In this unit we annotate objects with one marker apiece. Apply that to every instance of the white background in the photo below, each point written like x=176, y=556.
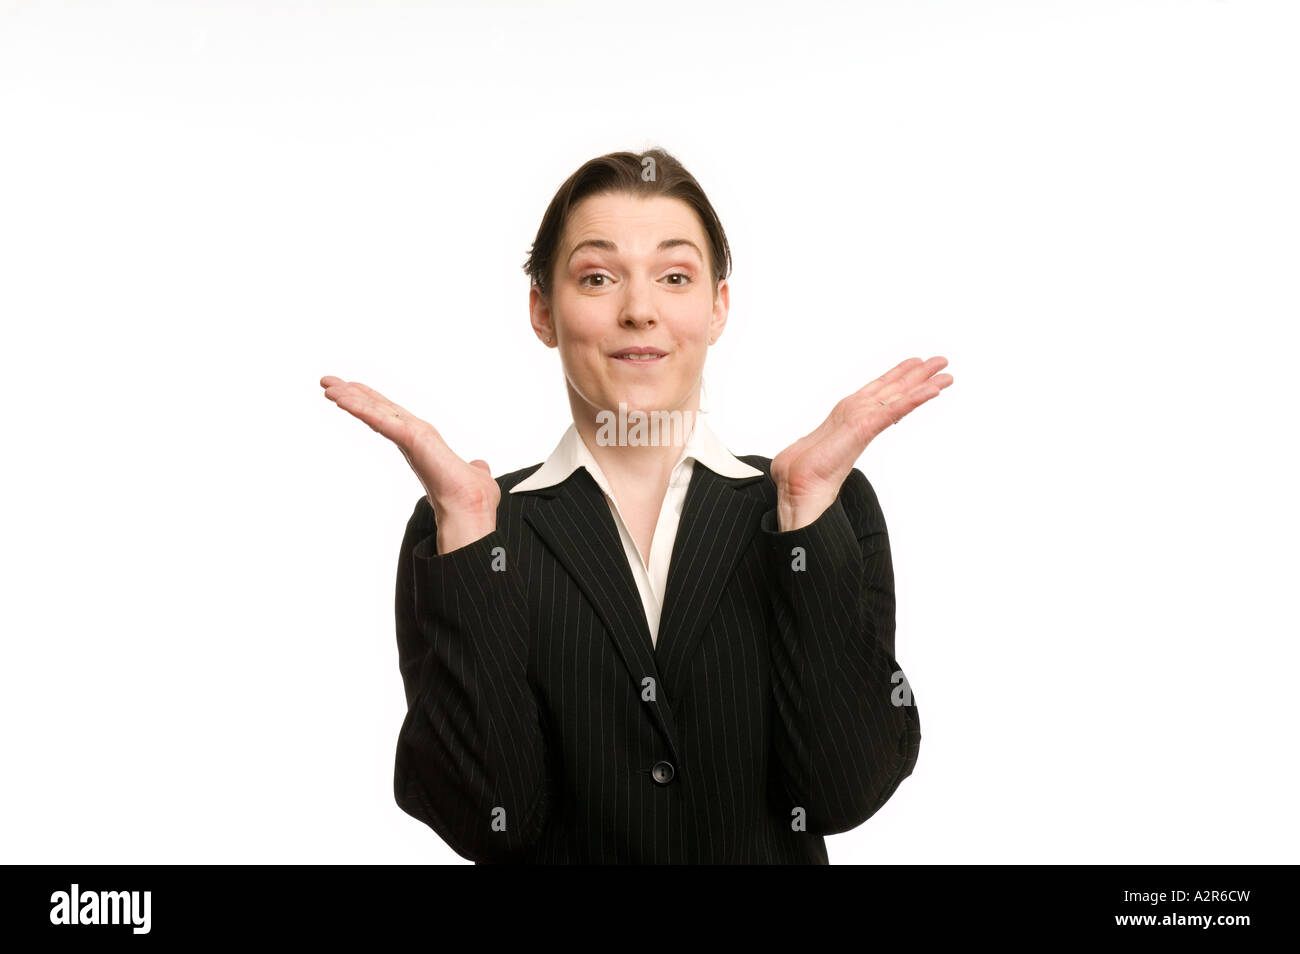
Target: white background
x=1090, y=208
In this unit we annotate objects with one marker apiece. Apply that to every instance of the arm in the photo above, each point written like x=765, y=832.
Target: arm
x=841, y=743
x=470, y=754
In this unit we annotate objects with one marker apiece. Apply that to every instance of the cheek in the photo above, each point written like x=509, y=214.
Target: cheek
x=692, y=335
x=584, y=356
x=585, y=320
x=691, y=320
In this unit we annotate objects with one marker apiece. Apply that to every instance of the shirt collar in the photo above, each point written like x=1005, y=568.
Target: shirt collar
x=572, y=452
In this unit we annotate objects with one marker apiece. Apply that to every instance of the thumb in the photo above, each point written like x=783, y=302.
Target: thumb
x=481, y=465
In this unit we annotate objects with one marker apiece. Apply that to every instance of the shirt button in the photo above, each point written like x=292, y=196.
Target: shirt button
x=662, y=772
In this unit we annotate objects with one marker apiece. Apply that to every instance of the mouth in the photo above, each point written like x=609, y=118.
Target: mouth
x=640, y=355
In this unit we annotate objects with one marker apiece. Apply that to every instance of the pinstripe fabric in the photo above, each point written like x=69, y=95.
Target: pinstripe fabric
x=543, y=726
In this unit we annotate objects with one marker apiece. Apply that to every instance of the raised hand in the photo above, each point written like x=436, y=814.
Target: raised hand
x=464, y=496
x=808, y=474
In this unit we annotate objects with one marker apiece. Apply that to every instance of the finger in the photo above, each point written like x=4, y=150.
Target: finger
x=920, y=373
x=898, y=406
x=361, y=401
x=382, y=418
x=380, y=414
x=889, y=377
x=914, y=377
x=382, y=401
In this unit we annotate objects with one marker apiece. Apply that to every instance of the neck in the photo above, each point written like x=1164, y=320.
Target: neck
x=622, y=444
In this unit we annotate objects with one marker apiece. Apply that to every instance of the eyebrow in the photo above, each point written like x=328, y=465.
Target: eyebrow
x=608, y=246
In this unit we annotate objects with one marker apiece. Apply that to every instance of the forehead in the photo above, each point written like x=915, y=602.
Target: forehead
x=629, y=220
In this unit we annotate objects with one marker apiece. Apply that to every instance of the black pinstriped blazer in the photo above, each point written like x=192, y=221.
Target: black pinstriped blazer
x=543, y=726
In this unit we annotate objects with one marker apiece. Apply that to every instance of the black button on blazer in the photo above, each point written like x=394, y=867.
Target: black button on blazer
x=543, y=726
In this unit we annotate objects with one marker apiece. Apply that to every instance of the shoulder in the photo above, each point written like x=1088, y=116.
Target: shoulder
x=506, y=481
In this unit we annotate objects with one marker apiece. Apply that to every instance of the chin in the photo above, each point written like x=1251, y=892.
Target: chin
x=640, y=402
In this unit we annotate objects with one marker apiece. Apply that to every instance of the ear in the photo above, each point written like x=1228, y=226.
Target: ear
x=721, y=305
x=539, y=316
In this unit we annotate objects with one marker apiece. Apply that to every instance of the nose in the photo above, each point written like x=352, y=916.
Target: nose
x=638, y=308
x=632, y=321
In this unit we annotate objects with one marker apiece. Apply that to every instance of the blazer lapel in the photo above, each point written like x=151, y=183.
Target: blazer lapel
x=719, y=518
x=573, y=519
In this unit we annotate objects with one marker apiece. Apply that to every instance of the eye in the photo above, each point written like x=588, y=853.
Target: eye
x=592, y=275
x=680, y=275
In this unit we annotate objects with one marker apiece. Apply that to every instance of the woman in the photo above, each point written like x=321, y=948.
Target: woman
x=575, y=695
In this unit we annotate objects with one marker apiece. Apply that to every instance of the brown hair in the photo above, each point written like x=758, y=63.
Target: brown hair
x=626, y=172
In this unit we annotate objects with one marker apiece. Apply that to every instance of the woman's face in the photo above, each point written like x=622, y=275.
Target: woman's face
x=631, y=272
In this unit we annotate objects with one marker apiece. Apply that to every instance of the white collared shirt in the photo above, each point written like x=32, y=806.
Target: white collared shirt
x=702, y=445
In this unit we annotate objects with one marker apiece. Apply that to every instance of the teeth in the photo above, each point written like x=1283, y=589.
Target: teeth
x=641, y=357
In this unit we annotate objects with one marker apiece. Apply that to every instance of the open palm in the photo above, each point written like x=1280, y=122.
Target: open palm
x=808, y=474
x=453, y=486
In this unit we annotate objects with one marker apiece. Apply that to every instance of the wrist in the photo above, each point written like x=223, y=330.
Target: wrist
x=792, y=515
x=456, y=530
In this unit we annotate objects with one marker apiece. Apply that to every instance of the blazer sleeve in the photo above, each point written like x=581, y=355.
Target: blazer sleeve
x=470, y=754
x=845, y=729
